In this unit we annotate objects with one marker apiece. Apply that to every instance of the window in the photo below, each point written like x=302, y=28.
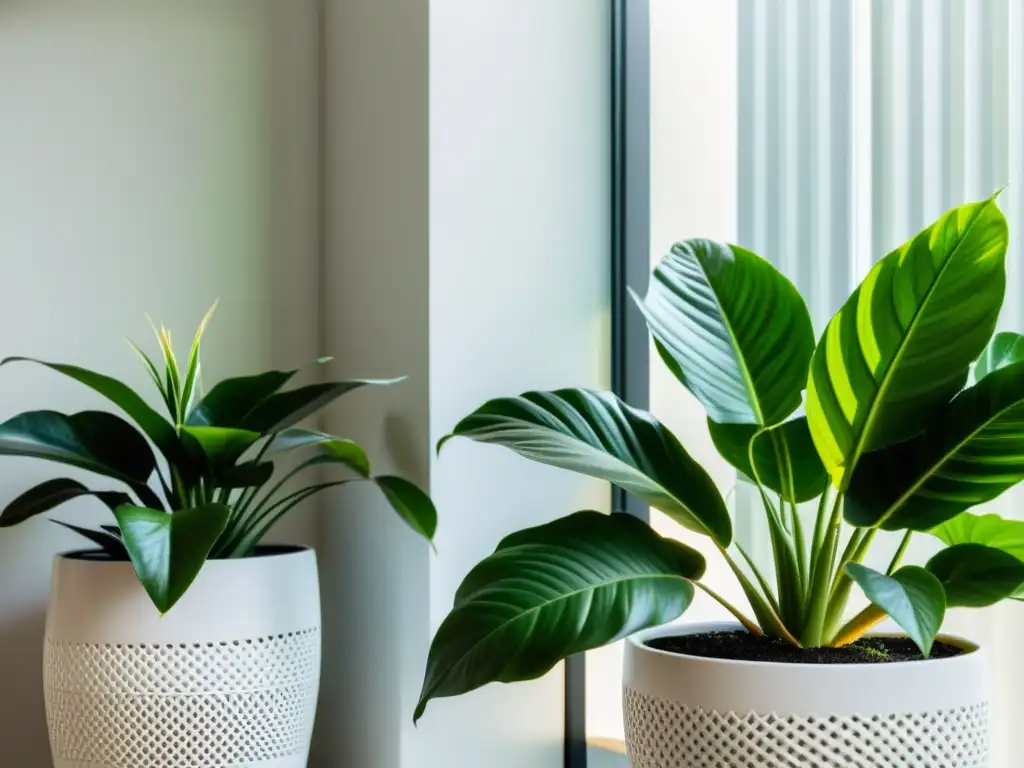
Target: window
x=821, y=136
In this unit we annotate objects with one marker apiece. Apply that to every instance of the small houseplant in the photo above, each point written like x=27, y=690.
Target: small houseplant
x=230, y=675
x=903, y=416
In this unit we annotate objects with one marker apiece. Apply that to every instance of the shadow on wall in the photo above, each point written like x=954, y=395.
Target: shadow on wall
x=22, y=714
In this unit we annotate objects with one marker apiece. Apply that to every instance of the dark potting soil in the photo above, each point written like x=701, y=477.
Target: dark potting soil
x=742, y=646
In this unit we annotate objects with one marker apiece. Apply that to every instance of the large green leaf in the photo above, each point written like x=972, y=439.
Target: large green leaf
x=555, y=590
x=596, y=434
x=285, y=409
x=1006, y=348
x=168, y=550
x=255, y=403
x=902, y=344
x=156, y=427
x=786, y=459
x=732, y=329
x=976, y=576
x=913, y=598
x=341, y=449
x=971, y=452
x=248, y=474
x=231, y=401
x=410, y=503
x=990, y=530
x=53, y=493
x=96, y=441
x=222, y=446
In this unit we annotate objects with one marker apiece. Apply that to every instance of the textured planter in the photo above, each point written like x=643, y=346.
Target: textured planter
x=229, y=677
x=690, y=712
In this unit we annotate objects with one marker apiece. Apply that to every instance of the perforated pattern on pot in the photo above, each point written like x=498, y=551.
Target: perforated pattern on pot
x=665, y=734
x=205, y=705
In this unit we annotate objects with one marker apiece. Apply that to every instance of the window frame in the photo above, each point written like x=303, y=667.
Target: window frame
x=630, y=267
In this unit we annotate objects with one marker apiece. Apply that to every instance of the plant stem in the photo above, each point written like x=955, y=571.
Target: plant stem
x=796, y=528
x=750, y=626
x=243, y=501
x=817, y=597
x=761, y=580
x=787, y=567
x=179, y=488
x=818, y=537
x=900, y=551
x=768, y=618
x=787, y=522
x=250, y=535
x=860, y=541
x=802, y=555
x=855, y=628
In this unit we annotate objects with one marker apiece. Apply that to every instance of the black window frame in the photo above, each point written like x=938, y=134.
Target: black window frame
x=630, y=266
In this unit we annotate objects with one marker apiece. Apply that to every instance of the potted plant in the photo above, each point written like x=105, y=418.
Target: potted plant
x=230, y=675
x=910, y=417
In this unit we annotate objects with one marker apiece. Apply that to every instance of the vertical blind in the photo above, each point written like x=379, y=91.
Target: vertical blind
x=859, y=123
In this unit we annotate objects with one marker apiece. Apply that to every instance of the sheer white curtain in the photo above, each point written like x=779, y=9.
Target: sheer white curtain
x=860, y=122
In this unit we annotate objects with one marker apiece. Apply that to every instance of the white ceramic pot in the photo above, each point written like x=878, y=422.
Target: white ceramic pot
x=690, y=712
x=229, y=677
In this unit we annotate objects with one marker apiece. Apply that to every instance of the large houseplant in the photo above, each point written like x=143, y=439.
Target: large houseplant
x=903, y=416
x=230, y=675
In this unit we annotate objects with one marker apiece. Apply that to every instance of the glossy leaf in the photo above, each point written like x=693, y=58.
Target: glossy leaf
x=971, y=452
x=222, y=445
x=410, y=503
x=255, y=403
x=111, y=545
x=913, y=598
x=94, y=440
x=168, y=550
x=156, y=427
x=596, y=434
x=976, y=576
x=732, y=329
x=232, y=400
x=553, y=591
x=53, y=493
x=990, y=530
x=346, y=451
x=901, y=346
x=787, y=461
x=1006, y=348
x=285, y=409
x=249, y=474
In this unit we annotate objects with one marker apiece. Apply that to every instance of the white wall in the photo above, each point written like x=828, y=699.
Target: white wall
x=519, y=299
x=468, y=197
x=153, y=157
